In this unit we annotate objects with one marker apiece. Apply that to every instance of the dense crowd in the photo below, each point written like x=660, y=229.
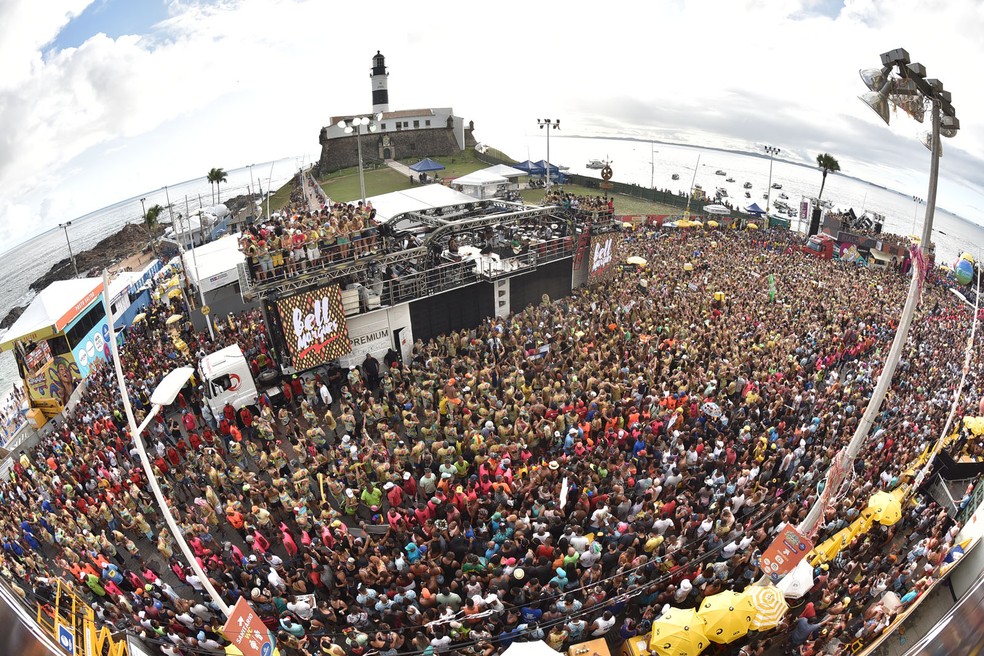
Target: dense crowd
x=550, y=475
x=12, y=415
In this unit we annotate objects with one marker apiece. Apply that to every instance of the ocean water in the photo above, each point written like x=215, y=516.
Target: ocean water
x=25, y=263
x=632, y=162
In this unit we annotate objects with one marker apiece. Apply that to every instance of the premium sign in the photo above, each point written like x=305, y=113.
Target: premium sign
x=314, y=327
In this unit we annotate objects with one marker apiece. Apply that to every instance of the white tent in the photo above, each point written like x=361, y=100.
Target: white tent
x=53, y=309
x=478, y=178
x=217, y=263
x=717, y=209
x=480, y=184
x=424, y=197
x=504, y=171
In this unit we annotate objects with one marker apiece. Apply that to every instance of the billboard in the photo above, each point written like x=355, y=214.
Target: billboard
x=314, y=327
x=603, y=254
x=52, y=385
x=94, y=346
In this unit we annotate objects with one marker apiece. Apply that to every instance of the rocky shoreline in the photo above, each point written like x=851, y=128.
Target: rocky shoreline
x=130, y=239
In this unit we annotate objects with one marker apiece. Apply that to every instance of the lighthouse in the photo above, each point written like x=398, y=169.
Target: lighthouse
x=380, y=96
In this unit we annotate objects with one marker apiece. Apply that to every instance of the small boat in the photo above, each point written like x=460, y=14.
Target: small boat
x=783, y=196
x=595, y=164
x=720, y=172
x=748, y=195
x=698, y=187
x=747, y=185
x=721, y=192
x=765, y=195
x=676, y=176
x=730, y=180
x=776, y=185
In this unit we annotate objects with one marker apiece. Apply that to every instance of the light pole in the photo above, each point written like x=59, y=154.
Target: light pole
x=773, y=151
x=910, y=90
x=252, y=186
x=167, y=390
x=71, y=255
x=549, y=124
x=354, y=124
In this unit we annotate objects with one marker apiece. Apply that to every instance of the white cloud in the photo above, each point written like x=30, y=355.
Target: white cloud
x=235, y=82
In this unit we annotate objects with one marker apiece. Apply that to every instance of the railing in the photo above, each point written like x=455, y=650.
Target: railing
x=976, y=499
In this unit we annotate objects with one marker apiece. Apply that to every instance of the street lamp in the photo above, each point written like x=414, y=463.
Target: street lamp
x=549, y=124
x=64, y=226
x=354, y=124
x=773, y=151
x=165, y=393
x=918, y=201
x=903, y=84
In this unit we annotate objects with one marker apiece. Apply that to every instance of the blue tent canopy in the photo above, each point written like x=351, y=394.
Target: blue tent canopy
x=529, y=167
x=426, y=165
x=544, y=165
x=755, y=209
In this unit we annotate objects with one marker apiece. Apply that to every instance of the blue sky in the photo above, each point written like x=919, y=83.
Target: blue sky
x=105, y=99
x=114, y=18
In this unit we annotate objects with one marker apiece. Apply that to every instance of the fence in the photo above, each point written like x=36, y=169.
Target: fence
x=623, y=188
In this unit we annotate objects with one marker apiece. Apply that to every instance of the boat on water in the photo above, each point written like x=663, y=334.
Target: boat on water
x=676, y=176
x=748, y=194
x=720, y=172
x=783, y=196
x=698, y=187
x=776, y=185
x=730, y=180
x=595, y=164
x=747, y=185
x=765, y=195
x=721, y=192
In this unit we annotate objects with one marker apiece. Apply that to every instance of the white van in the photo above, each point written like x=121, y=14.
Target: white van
x=226, y=378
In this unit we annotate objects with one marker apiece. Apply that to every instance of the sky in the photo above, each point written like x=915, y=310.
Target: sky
x=101, y=100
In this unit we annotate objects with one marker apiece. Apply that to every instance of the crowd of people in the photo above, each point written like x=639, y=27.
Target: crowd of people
x=550, y=475
x=301, y=236
x=12, y=414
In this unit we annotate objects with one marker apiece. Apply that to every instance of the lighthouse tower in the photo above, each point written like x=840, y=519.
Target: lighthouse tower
x=380, y=96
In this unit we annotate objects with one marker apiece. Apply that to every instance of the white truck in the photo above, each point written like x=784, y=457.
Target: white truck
x=226, y=378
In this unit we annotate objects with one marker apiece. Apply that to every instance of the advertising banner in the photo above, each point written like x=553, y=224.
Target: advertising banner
x=314, y=327
x=94, y=346
x=785, y=552
x=39, y=357
x=603, y=251
x=51, y=387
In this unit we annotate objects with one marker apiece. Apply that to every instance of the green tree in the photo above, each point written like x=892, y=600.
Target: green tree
x=216, y=177
x=828, y=164
x=153, y=214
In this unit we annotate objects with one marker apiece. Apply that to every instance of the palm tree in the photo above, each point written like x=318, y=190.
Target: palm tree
x=150, y=219
x=827, y=164
x=216, y=177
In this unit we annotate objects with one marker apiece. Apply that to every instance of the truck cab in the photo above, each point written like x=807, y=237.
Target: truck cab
x=226, y=378
x=821, y=246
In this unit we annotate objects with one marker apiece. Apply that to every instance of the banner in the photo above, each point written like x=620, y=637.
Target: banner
x=786, y=551
x=51, y=387
x=94, y=346
x=39, y=357
x=314, y=327
x=603, y=253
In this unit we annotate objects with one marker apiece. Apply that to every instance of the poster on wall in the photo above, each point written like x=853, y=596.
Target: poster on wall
x=314, y=327
x=94, y=346
x=52, y=386
x=604, y=250
x=38, y=358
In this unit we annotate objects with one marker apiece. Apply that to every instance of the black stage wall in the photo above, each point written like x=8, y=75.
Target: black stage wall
x=552, y=279
x=464, y=307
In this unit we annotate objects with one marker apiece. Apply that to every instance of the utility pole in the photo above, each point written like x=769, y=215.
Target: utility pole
x=71, y=255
